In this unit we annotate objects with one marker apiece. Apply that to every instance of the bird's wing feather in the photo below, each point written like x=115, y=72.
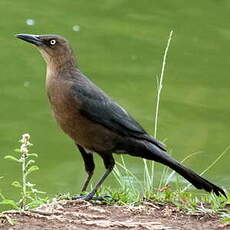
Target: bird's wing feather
x=98, y=107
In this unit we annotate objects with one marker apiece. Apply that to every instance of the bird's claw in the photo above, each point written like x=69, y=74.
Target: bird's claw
x=89, y=197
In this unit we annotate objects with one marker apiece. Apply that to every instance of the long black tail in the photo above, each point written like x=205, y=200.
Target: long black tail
x=152, y=152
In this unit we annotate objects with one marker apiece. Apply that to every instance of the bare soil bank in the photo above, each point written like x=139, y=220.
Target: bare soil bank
x=82, y=215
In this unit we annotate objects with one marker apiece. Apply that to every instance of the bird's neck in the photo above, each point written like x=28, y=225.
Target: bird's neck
x=60, y=62
x=58, y=70
x=59, y=65
x=56, y=63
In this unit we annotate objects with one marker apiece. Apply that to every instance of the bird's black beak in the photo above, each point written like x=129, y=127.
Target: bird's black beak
x=34, y=39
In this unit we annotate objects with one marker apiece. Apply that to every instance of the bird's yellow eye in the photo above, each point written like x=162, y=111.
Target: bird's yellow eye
x=52, y=42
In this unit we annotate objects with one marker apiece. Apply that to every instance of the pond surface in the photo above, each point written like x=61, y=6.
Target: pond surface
x=120, y=46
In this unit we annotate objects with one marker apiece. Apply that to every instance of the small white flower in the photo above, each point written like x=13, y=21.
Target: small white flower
x=23, y=149
x=25, y=137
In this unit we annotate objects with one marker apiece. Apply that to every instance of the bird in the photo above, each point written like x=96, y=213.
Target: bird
x=95, y=122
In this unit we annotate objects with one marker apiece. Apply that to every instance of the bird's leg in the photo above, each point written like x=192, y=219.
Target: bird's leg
x=89, y=166
x=87, y=182
x=109, y=164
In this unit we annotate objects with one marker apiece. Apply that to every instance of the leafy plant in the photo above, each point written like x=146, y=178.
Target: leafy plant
x=29, y=193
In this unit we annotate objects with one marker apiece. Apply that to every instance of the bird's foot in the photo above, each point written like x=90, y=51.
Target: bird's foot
x=84, y=197
x=90, y=197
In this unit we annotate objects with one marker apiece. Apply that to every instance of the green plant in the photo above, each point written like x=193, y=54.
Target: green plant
x=179, y=197
x=29, y=194
x=149, y=171
x=128, y=178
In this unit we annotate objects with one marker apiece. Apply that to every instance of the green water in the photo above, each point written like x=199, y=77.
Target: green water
x=120, y=46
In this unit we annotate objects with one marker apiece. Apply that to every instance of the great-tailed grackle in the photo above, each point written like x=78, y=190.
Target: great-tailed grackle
x=94, y=121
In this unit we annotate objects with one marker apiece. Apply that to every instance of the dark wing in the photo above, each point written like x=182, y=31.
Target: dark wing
x=98, y=107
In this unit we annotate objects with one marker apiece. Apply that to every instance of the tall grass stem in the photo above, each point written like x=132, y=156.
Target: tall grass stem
x=159, y=88
x=160, y=84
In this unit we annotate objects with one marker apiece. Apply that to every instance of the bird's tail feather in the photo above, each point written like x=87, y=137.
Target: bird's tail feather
x=152, y=152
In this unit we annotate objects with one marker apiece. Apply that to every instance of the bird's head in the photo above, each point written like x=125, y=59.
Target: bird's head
x=54, y=48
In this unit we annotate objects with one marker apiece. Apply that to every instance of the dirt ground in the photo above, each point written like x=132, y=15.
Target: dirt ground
x=82, y=215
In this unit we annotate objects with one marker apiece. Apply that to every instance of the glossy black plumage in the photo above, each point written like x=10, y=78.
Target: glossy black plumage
x=100, y=108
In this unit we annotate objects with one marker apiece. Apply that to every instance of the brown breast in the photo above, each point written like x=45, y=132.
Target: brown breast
x=83, y=131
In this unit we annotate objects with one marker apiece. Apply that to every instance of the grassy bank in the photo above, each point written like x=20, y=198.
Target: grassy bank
x=133, y=191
